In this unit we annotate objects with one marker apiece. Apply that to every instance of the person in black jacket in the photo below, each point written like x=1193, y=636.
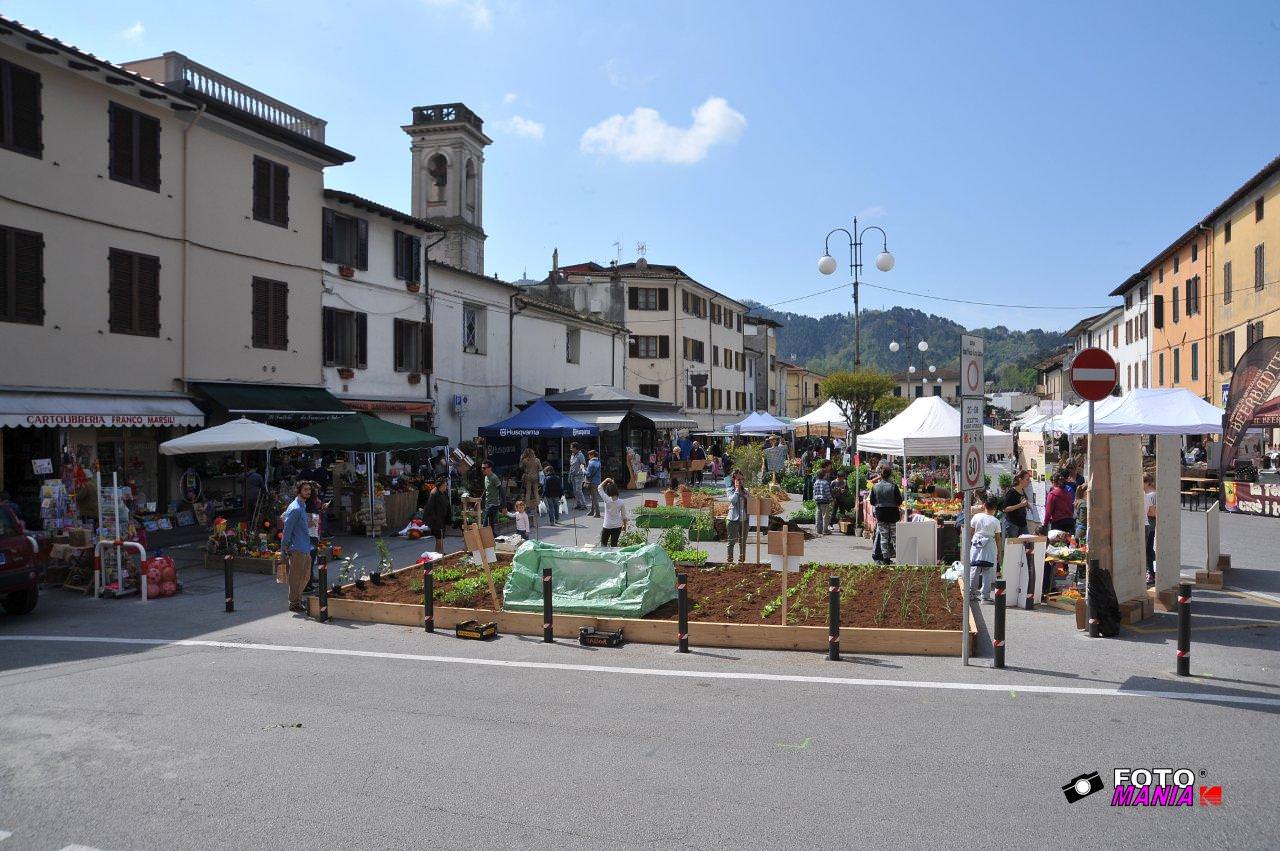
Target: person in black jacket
x=438, y=512
x=552, y=490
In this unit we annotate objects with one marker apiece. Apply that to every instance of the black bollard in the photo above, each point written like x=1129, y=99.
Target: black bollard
x=428, y=596
x=833, y=619
x=1184, y=629
x=682, y=606
x=1031, y=578
x=548, y=635
x=323, y=617
x=997, y=639
x=228, y=584
x=1091, y=617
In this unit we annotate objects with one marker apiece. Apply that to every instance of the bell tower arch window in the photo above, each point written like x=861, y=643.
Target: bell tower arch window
x=470, y=186
x=437, y=179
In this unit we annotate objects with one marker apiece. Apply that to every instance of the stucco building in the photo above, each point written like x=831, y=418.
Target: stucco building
x=764, y=373
x=1181, y=310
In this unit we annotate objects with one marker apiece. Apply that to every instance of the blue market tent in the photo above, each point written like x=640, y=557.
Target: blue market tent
x=540, y=420
x=761, y=422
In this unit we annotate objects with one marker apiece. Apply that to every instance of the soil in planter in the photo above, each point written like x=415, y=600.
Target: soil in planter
x=899, y=597
x=458, y=582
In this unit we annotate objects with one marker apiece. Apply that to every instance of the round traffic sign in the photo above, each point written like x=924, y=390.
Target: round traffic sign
x=1094, y=374
x=972, y=467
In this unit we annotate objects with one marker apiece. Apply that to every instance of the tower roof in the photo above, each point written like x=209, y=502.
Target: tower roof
x=447, y=117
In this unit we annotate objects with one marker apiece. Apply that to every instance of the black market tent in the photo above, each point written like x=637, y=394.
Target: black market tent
x=363, y=433
x=540, y=420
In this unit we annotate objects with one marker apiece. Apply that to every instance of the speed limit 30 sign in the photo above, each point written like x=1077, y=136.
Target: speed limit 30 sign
x=971, y=454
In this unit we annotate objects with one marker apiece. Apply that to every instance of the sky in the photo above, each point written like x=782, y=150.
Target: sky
x=1031, y=154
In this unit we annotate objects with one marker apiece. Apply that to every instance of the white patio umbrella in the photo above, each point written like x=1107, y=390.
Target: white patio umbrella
x=242, y=434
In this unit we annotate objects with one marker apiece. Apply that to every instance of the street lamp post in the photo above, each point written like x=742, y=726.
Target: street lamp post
x=827, y=264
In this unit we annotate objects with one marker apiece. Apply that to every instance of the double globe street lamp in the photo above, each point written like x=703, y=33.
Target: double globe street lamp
x=827, y=265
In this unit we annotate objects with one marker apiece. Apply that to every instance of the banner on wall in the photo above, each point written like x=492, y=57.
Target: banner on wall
x=1251, y=401
x=1251, y=498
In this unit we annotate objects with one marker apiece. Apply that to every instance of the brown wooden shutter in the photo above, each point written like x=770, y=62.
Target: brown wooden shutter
x=279, y=315
x=362, y=244
x=417, y=259
x=397, y=344
x=261, y=313
x=633, y=298
x=21, y=128
x=261, y=189
x=27, y=295
x=120, y=143
x=362, y=341
x=280, y=194
x=326, y=236
x=424, y=346
x=664, y=347
x=148, y=130
x=664, y=301
x=398, y=265
x=120, y=291
x=147, y=295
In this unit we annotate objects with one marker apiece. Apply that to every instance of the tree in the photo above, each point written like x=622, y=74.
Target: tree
x=889, y=407
x=856, y=392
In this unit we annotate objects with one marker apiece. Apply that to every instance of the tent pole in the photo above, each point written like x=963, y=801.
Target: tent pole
x=368, y=456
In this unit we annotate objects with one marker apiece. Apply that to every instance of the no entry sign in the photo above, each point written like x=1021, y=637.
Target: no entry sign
x=1094, y=375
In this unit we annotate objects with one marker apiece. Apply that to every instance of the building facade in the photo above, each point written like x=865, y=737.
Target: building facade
x=804, y=390
x=764, y=378
x=944, y=383
x=1132, y=350
x=1180, y=314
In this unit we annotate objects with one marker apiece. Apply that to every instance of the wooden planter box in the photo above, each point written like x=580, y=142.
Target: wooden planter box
x=654, y=521
x=242, y=564
x=708, y=535
x=916, y=642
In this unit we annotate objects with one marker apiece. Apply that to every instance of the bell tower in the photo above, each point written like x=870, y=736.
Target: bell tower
x=448, y=179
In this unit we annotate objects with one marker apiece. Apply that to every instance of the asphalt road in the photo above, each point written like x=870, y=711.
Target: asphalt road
x=271, y=731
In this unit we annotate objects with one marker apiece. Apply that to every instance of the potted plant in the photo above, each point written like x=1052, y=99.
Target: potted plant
x=384, y=563
x=415, y=378
x=346, y=271
x=346, y=373
x=669, y=496
x=412, y=286
x=689, y=558
x=686, y=496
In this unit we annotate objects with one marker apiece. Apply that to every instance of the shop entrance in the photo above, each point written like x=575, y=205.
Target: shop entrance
x=22, y=446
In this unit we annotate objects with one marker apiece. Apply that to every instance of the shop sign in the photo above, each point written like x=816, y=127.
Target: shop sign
x=1251, y=498
x=1253, y=383
x=107, y=420
x=42, y=466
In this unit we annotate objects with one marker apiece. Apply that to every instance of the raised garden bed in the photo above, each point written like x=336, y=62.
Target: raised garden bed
x=665, y=517
x=883, y=610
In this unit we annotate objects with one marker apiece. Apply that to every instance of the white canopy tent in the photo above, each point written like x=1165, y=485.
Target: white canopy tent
x=1166, y=410
x=760, y=421
x=242, y=434
x=928, y=426
x=826, y=414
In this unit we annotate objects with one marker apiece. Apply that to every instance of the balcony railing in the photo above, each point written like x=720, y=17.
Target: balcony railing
x=220, y=87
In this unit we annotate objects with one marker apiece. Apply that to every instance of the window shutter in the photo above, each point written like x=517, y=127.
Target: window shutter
x=120, y=291
x=424, y=346
x=279, y=315
x=261, y=313
x=428, y=352
x=362, y=341
x=663, y=300
x=326, y=236
x=633, y=298
x=415, y=247
x=23, y=123
x=148, y=130
x=28, y=278
x=664, y=347
x=147, y=293
x=261, y=189
x=633, y=347
x=362, y=244
x=1158, y=309
x=398, y=345
x=120, y=143
x=328, y=341
x=398, y=265
x=280, y=194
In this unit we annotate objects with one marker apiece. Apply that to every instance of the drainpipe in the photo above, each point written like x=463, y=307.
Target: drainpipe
x=426, y=317
x=511, y=351
x=186, y=133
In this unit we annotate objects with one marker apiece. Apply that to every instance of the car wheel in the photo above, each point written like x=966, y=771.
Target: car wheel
x=20, y=602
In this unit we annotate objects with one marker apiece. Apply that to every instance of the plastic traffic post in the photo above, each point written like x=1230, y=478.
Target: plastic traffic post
x=228, y=584
x=548, y=636
x=997, y=639
x=833, y=619
x=1184, y=629
x=323, y=569
x=682, y=606
x=428, y=596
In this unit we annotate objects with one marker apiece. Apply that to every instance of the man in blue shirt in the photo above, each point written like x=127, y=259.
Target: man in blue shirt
x=295, y=544
x=593, y=482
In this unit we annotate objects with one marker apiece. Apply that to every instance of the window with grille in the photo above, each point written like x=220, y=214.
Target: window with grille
x=270, y=314
x=21, y=276
x=473, y=329
x=134, y=293
x=346, y=338
x=270, y=192
x=134, y=148
x=20, y=109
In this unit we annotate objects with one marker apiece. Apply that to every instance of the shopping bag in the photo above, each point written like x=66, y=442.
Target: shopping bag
x=542, y=509
x=564, y=505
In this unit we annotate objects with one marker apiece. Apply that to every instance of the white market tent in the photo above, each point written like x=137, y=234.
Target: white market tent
x=826, y=414
x=1168, y=410
x=928, y=426
x=760, y=422
x=242, y=434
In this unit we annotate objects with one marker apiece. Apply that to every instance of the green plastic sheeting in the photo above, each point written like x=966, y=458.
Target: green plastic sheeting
x=621, y=583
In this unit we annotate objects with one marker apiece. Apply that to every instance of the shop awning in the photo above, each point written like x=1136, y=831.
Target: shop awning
x=92, y=410
x=604, y=420
x=274, y=402
x=363, y=433
x=668, y=420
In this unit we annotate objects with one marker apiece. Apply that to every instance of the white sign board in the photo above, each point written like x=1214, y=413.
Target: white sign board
x=971, y=365
x=42, y=466
x=972, y=457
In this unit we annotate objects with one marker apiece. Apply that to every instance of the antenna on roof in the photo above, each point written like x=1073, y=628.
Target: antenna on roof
x=641, y=262
x=617, y=246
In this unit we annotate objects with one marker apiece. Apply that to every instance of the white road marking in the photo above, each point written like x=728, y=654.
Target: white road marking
x=5, y=834
x=79, y=848
x=662, y=672
x=1261, y=595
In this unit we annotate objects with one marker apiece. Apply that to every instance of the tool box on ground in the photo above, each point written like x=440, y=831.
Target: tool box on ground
x=589, y=636
x=475, y=630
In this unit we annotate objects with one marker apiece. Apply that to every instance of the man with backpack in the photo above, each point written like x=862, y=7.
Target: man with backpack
x=886, y=502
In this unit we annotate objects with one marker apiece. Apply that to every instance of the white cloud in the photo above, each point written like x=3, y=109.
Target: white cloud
x=875, y=211
x=132, y=33
x=518, y=125
x=510, y=97
x=643, y=136
x=476, y=11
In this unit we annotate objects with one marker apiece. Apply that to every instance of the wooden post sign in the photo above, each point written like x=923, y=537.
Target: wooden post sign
x=479, y=539
x=783, y=546
x=758, y=509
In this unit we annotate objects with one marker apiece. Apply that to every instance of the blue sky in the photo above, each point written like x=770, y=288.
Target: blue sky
x=1021, y=153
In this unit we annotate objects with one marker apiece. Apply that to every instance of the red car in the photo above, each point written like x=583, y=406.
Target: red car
x=19, y=572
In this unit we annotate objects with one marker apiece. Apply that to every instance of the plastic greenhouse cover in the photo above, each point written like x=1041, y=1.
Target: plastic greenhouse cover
x=628, y=582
